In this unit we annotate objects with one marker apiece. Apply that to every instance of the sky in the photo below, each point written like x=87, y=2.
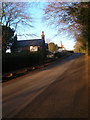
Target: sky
x=40, y=25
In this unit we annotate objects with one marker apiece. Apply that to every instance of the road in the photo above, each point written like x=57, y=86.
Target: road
x=57, y=91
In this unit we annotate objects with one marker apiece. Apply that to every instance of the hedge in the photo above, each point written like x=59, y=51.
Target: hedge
x=16, y=61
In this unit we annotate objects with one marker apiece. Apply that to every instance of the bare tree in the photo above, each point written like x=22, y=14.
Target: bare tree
x=14, y=13
x=57, y=14
x=71, y=16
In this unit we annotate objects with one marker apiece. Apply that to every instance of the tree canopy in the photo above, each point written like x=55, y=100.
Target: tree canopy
x=71, y=16
x=8, y=38
x=79, y=47
x=52, y=47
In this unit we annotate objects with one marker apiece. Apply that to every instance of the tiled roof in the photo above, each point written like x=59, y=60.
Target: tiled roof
x=33, y=42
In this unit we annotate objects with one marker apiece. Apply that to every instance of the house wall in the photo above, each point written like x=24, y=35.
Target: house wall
x=35, y=49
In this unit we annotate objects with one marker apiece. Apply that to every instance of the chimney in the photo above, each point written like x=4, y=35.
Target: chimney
x=42, y=36
x=61, y=43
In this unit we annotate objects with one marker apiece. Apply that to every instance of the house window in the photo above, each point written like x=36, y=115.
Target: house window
x=33, y=48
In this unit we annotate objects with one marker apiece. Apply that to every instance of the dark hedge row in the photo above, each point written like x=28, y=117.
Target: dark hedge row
x=61, y=54
x=16, y=61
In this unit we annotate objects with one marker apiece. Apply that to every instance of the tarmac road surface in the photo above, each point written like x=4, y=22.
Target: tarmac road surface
x=57, y=91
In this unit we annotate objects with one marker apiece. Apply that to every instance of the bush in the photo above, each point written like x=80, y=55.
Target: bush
x=58, y=54
x=61, y=54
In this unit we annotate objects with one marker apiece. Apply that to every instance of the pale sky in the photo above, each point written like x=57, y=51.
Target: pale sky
x=40, y=26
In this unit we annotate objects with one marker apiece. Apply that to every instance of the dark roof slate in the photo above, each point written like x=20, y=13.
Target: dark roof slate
x=33, y=42
x=59, y=47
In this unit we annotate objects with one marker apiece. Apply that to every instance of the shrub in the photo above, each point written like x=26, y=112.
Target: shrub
x=61, y=54
x=58, y=54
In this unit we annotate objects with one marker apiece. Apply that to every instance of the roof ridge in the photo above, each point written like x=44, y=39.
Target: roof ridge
x=28, y=40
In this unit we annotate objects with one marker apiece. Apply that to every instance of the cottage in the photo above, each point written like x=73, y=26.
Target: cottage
x=60, y=49
x=32, y=45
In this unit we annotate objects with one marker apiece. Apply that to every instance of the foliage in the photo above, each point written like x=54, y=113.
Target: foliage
x=62, y=54
x=58, y=54
x=8, y=37
x=80, y=12
x=52, y=47
x=56, y=47
x=81, y=43
x=79, y=47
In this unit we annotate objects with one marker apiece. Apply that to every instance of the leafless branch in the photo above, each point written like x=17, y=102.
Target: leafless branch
x=14, y=13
